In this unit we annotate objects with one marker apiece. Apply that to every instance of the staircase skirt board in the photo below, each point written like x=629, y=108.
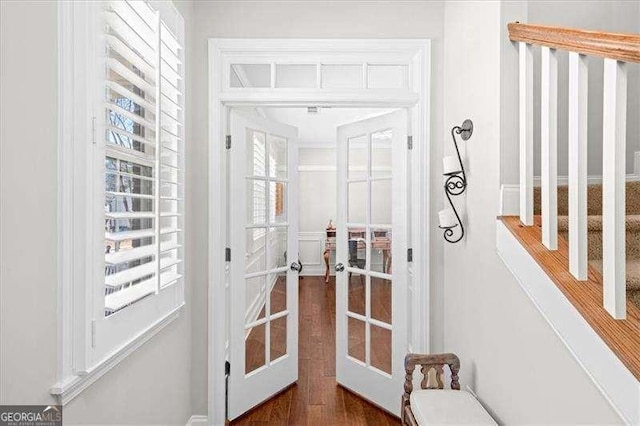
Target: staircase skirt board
x=594, y=231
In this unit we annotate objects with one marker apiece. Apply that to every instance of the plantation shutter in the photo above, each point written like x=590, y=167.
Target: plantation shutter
x=144, y=171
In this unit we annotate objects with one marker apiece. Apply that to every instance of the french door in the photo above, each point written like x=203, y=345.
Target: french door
x=263, y=285
x=371, y=270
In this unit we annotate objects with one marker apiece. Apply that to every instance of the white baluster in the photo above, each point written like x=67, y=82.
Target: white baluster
x=614, y=124
x=526, y=133
x=578, y=78
x=549, y=143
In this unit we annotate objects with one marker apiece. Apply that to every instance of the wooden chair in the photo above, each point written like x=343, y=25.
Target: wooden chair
x=427, y=362
x=460, y=406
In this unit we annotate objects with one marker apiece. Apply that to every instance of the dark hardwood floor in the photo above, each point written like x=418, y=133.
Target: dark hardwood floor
x=316, y=399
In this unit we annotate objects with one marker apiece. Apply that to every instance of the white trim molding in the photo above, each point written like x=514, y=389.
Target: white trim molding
x=415, y=96
x=68, y=389
x=198, y=420
x=603, y=367
x=85, y=351
x=510, y=193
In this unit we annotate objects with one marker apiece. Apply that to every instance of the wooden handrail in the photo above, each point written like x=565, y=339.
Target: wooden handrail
x=622, y=47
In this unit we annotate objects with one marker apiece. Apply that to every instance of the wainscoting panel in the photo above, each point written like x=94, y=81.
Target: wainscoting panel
x=311, y=246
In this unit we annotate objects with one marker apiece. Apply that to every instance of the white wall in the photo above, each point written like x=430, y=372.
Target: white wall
x=510, y=356
x=616, y=16
x=152, y=386
x=304, y=19
x=317, y=204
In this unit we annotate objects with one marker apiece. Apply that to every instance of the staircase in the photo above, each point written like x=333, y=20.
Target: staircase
x=594, y=227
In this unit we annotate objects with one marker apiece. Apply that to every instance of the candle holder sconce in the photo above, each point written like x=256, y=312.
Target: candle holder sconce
x=455, y=184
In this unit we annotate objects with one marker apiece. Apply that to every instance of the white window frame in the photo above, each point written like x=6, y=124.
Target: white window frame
x=85, y=351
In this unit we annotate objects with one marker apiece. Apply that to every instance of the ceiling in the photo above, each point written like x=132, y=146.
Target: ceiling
x=321, y=128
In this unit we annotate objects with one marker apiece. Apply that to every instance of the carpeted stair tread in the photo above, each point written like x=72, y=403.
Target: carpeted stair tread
x=594, y=223
x=594, y=228
x=594, y=199
x=633, y=272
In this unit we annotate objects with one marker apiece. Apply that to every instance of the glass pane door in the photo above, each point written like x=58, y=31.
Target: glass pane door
x=263, y=282
x=371, y=240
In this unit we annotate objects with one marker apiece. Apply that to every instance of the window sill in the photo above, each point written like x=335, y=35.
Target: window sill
x=67, y=389
x=608, y=350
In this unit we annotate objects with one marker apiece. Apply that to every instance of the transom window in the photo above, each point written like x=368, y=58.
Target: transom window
x=298, y=75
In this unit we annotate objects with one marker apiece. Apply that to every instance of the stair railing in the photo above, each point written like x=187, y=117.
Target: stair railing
x=617, y=50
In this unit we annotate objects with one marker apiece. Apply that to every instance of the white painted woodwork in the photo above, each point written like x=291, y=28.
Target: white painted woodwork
x=578, y=89
x=600, y=363
x=248, y=390
x=614, y=128
x=526, y=132
x=90, y=343
x=360, y=376
x=549, y=146
x=416, y=53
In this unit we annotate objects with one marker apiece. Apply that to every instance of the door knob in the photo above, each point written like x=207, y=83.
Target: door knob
x=339, y=267
x=295, y=266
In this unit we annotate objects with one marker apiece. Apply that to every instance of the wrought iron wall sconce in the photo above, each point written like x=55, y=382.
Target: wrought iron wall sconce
x=455, y=184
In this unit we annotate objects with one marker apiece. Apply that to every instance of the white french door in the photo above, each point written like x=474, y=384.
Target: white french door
x=263, y=285
x=371, y=270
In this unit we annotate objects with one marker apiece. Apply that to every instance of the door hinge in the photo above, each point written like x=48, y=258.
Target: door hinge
x=227, y=254
x=93, y=333
x=93, y=130
x=227, y=368
x=228, y=141
x=410, y=255
x=409, y=142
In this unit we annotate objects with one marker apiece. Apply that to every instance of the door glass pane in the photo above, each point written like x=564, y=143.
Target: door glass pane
x=357, y=157
x=357, y=250
x=255, y=356
x=381, y=250
x=381, y=299
x=356, y=338
x=256, y=250
x=277, y=157
x=278, y=338
x=341, y=76
x=357, y=202
x=278, y=297
x=277, y=202
x=381, y=153
x=256, y=154
x=255, y=308
x=380, y=348
x=357, y=294
x=294, y=75
x=250, y=75
x=256, y=202
x=381, y=202
x=278, y=247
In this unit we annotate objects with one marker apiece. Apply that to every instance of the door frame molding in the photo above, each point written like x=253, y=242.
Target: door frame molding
x=416, y=97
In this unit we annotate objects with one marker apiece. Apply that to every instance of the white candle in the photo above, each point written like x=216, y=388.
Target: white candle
x=450, y=165
x=447, y=218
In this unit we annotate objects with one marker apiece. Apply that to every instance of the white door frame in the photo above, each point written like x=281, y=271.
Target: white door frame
x=415, y=55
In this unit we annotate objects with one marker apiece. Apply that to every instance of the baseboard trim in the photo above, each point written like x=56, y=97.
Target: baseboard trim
x=510, y=193
x=198, y=420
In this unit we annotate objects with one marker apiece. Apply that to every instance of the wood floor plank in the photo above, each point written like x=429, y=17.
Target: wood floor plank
x=316, y=398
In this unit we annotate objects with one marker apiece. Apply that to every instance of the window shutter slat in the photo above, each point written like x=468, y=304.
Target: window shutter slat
x=144, y=163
